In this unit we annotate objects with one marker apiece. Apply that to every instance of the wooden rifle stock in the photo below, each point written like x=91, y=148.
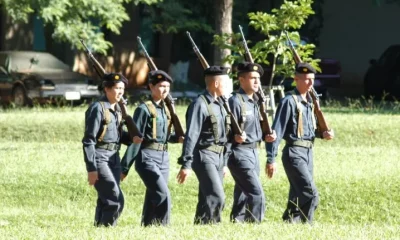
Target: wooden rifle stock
x=132, y=128
x=196, y=50
x=322, y=125
x=265, y=126
x=235, y=125
x=169, y=101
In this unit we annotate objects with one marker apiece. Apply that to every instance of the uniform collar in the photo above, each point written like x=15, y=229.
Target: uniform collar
x=300, y=98
x=245, y=96
x=107, y=103
x=210, y=98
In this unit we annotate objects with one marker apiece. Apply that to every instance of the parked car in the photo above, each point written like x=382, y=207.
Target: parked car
x=383, y=75
x=28, y=75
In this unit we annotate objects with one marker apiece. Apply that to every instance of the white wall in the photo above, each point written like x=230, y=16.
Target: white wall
x=356, y=31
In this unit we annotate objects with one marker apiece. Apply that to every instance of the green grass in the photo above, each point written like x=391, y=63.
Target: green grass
x=44, y=193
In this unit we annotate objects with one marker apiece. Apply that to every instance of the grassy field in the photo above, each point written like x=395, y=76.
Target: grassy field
x=44, y=193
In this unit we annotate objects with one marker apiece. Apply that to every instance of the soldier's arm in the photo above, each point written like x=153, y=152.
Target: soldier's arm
x=93, y=119
x=140, y=117
x=194, y=120
x=282, y=116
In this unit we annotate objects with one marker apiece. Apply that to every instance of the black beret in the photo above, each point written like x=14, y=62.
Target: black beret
x=115, y=78
x=216, y=70
x=250, y=67
x=305, y=68
x=157, y=76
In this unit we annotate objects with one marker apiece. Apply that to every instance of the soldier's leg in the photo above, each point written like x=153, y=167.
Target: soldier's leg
x=163, y=212
x=211, y=193
x=315, y=200
x=109, y=195
x=157, y=193
x=297, y=171
x=246, y=175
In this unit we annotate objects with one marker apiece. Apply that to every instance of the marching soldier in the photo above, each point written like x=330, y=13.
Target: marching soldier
x=151, y=158
x=243, y=161
x=295, y=122
x=101, y=143
x=204, y=146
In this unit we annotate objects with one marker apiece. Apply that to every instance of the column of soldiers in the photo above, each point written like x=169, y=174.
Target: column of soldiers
x=209, y=148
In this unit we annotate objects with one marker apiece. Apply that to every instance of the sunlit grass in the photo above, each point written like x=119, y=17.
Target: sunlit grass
x=44, y=193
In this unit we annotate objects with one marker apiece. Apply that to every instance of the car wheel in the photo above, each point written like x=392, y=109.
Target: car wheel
x=19, y=97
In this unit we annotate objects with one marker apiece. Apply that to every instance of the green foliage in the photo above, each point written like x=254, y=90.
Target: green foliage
x=75, y=19
x=290, y=16
x=173, y=16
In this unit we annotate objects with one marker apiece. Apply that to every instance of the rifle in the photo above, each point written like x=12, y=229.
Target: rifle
x=265, y=126
x=235, y=125
x=322, y=125
x=169, y=101
x=132, y=128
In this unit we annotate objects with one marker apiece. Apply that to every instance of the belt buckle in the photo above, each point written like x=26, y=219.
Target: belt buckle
x=160, y=147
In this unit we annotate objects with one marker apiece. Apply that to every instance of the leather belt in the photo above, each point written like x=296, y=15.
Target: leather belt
x=252, y=145
x=301, y=143
x=156, y=146
x=215, y=148
x=108, y=146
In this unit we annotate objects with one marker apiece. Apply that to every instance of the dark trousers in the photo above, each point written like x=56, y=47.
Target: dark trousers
x=303, y=194
x=248, y=196
x=110, y=199
x=208, y=167
x=153, y=168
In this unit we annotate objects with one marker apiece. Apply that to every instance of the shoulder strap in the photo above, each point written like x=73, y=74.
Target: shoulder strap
x=169, y=120
x=243, y=110
x=300, y=115
x=106, y=121
x=153, y=113
x=213, y=119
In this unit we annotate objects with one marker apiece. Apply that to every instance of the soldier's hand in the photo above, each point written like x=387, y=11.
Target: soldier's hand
x=123, y=176
x=328, y=135
x=226, y=171
x=137, y=140
x=270, y=169
x=240, y=138
x=270, y=137
x=181, y=139
x=92, y=177
x=182, y=175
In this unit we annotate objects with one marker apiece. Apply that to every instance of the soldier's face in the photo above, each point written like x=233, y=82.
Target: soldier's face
x=250, y=81
x=160, y=90
x=220, y=82
x=304, y=82
x=115, y=93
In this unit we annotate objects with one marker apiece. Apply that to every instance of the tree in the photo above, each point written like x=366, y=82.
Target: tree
x=75, y=19
x=223, y=25
x=275, y=48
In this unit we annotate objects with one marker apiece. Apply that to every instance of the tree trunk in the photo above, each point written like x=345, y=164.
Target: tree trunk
x=223, y=24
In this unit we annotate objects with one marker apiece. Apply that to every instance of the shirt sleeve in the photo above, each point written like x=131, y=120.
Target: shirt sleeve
x=140, y=118
x=282, y=116
x=194, y=121
x=93, y=118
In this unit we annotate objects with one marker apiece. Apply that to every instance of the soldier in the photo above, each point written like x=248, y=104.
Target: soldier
x=152, y=161
x=203, y=148
x=295, y=123
x=101, y=143
x=243, y=161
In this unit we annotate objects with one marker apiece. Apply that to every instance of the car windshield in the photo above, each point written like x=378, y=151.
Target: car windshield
x=21, y=61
